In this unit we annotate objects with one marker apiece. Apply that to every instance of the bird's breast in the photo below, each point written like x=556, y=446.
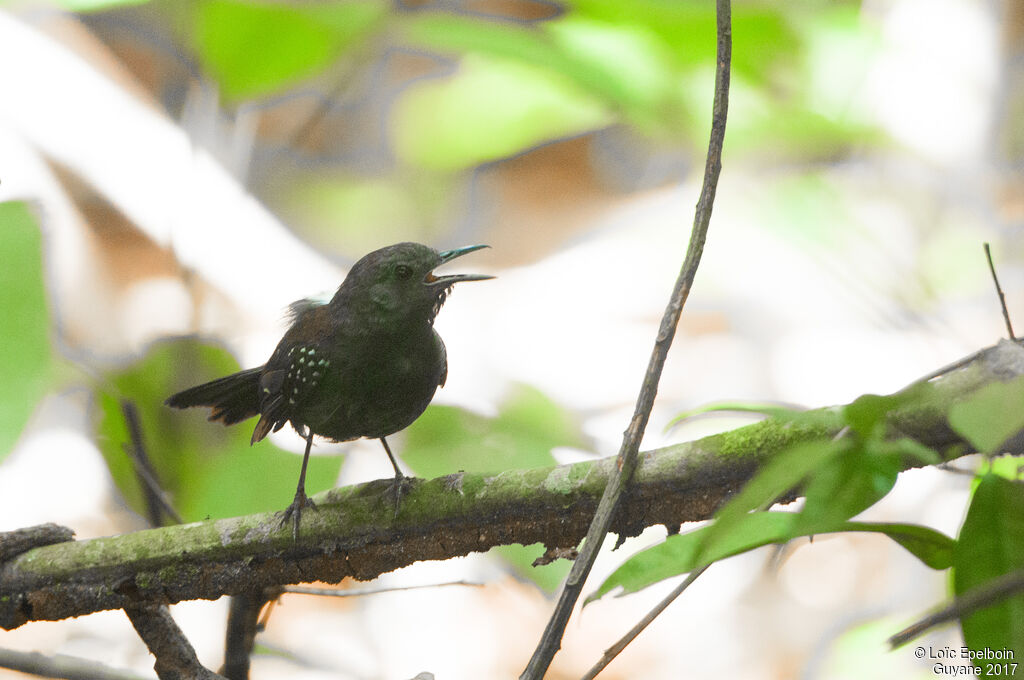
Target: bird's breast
x=377, y=387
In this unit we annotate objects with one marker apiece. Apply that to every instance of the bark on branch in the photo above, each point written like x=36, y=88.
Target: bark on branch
x=354, y=533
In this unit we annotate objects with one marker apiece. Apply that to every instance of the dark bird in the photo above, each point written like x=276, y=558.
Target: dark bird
x=366, y=364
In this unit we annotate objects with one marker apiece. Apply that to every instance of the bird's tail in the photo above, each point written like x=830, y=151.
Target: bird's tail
x=233, y=398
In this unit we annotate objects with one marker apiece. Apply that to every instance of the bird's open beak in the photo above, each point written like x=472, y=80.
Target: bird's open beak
x=449, y=279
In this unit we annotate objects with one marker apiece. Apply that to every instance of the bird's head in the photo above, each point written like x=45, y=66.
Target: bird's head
x=397, y=284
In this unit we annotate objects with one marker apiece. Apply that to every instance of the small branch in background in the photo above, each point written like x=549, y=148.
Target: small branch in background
x=243, y=624
x=999, y=291
x=976, y=598
x=175, y=657
x=62, y=666
x=360, y=592
x=13, y=543
x=616, y=649
x=626, y=463
x=950, y=367
x=156, y=498
x=343, y=81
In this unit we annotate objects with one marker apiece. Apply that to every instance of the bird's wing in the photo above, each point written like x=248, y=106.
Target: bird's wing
x=273, y=413
x=443, y=354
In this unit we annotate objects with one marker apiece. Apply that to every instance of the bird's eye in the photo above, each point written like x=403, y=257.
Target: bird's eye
x=403, y=271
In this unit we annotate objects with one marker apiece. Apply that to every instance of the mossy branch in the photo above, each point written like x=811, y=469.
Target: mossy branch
x=354, y=533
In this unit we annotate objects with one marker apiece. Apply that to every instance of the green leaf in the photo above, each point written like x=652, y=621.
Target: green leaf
x=868, y=465
x=991, y=544
x=209, y=469
x=991, y=415
x=26, y=362
x=933, y=548
x=782, y=473
x=253, y=49
x=489, y=109
x=847, y=484
x=867, y=413
x=684, y=552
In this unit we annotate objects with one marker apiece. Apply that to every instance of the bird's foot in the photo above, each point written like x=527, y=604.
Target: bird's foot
x=399, y=486
x=294, y=512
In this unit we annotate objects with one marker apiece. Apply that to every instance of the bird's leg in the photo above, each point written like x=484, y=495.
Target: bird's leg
x=400, y=481
x=301, y=499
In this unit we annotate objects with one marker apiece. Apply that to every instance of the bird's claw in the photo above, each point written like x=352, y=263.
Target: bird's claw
x=294, y=512
x=399, y=486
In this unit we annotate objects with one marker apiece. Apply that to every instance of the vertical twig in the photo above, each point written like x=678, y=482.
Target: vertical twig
x=626, y=462
x=623, y=642
x=156, y=497
x=999, y=291
x=243, y=624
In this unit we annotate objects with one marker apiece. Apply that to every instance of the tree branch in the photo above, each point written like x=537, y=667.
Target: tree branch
x=14, y=543
x=62, y=666
x=355, y=534
x=623, y=642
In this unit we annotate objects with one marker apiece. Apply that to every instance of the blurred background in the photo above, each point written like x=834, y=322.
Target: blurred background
x=174, y=174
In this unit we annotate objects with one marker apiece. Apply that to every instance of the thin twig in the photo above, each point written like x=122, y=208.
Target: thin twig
x=175, y=657
x=342, y=82
x=974, y=599
x=156, y=498
x=999, y=291
x=360, y=592
x=623, y=642
x=950, y=367
x=62, y=666
x=243, y=624
x=626, y=462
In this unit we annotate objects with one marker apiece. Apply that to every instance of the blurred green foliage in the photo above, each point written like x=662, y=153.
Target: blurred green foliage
x=253, y=49
x=453, y=124
x=209, y=470
x=528, y=425
x=26, y=362
x=454, y=89
x=489, y=87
